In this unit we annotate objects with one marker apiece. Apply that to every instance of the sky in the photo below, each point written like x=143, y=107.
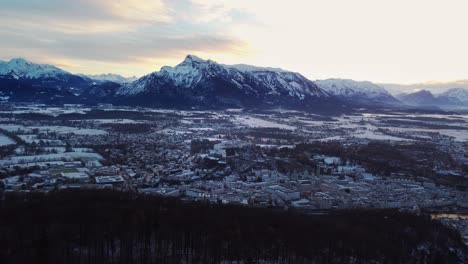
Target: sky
x=385, y=41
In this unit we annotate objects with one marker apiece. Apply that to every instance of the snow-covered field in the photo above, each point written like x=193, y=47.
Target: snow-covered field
x=332, y=138
x=457, y=134
x=54, y=111
x=35, y=139
x=111, y=121
x=4, y=140
x=14, y=128
x=50, y=157
x=376, y=136
x=62, y=149
x=201, y=129
x=257, y=122
x=174, y=132
x=72, y=130
x=57, y=129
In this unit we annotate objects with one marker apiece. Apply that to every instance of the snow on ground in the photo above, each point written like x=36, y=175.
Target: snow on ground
x=111, y=121
x=58, y=129
x=459, y=135
x=257, y=122
x=28, y=138
x=331, y=138
x=70, y=130
x=274, y=146
x=54, y=111
x=14, y=128
x=62, y=149
x=312, y=122
x=50, y=157
x=376, y=136
x=174, y=132
x=201, y=129
x=33, y=138
x=331, y=160
x=213, y=139
x=186, y=122
x=4, y=140
x=87, y=131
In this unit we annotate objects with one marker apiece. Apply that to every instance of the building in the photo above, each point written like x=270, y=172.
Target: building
x=284, y=193
x=109, y=179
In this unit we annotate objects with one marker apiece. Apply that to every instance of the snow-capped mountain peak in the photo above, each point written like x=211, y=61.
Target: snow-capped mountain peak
x=419, y=98
x=452, y=99
x=21, y=68
x=192, y=58
x=455, y=95
x=356, y=90
x=229, y=83
x=460, y=93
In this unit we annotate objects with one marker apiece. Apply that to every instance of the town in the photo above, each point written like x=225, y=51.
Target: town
x=277, y=158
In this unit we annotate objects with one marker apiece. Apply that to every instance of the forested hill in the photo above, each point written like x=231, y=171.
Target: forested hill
x=114, y=227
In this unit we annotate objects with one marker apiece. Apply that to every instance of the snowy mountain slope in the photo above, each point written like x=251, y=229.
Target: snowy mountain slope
x=452, y=99
x=420, y=98
x=22, y=80
x=205, y=83
x=27, y=90
x=21, y=68
x=110, y=77
x=199, y=83
x=458, y=96
x=363, y=92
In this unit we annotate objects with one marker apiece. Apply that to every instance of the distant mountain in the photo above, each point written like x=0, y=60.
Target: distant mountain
x=455, y=96
x=435, y=87
x=355, y=92
x=21, y=90
x=207, y=84
x=21, y=80
x=21, y=68
x=420, y=98
x=100, y=92
x=111, y=78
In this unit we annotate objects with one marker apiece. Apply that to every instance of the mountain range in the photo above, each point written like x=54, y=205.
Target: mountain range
x=195, y=83
x=452, y=99
x=435, y=87
x=357, y=92
x=110, y=77
x=207, y=84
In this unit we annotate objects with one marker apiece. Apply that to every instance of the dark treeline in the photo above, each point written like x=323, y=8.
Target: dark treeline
x=28, y=116
x=16, y=138
x=452, y=119
x=411, y=123
x=114, y=227
x=92, y=114
x=103, y=114
x=8, y=150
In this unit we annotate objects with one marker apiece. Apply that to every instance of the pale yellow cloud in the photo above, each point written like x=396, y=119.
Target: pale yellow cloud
x=85, y=16
x=378, y=40
x=404, y=41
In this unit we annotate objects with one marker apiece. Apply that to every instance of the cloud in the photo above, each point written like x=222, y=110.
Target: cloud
x=84, y=15
x=385, y=41
x=110, y=32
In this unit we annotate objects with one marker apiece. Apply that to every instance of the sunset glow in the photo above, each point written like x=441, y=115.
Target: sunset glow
x=381, y=41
